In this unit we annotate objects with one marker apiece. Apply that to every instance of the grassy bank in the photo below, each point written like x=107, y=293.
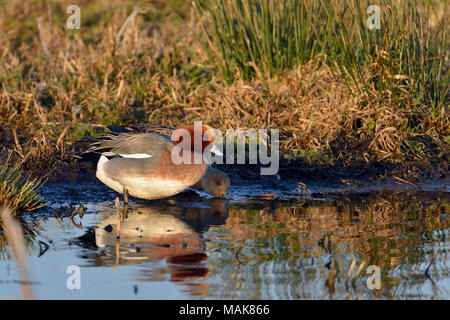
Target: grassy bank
x=340, y=94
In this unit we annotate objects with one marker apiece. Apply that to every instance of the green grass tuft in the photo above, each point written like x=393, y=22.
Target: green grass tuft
x=20, y=194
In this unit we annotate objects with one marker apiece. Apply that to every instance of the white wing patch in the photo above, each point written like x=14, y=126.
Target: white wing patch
x=136, y=155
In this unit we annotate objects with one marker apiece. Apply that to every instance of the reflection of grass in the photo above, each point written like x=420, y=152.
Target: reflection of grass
x=405, y=56
x=13, y=232
x=18, y=193
x=393, y=231
x=359, y=95
x=20, y=235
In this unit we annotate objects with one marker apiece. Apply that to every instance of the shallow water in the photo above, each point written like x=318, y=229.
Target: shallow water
x=239, y=248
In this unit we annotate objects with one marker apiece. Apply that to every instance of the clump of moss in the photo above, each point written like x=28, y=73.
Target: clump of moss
x=17, y=192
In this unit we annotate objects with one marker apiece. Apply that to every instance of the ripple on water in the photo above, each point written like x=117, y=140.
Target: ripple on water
x=238, y=247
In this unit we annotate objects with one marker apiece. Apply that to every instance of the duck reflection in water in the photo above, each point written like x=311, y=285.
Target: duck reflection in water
x=153, y=232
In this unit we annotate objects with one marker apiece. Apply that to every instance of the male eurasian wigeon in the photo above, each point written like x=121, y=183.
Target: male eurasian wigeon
x=141, y=164
x=214, y=182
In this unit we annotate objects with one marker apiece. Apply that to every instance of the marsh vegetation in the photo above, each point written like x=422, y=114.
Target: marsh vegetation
x=340, y=94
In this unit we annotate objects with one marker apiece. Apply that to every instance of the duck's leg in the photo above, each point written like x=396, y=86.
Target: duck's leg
x=125, y=196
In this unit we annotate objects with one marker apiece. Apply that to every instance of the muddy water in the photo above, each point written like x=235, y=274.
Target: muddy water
x=239, y=248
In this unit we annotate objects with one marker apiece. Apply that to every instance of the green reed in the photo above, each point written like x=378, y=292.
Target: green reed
x=406, y=58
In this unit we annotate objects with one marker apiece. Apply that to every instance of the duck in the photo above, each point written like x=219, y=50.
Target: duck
x=138, y=162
